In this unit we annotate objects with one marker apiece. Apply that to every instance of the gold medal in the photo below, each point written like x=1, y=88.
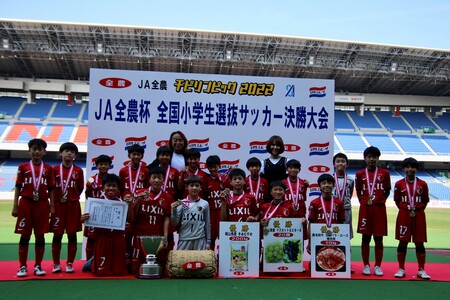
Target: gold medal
x=370, y=201
x=64, y=198
x=412, y=214
x=296, y=207
x=35, y=196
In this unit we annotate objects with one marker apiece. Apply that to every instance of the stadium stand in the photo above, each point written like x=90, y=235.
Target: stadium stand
x=64, y=111
x=10, y=105
x=392, y=123
x=444, y=121
x=23, y=132
x=418, y=120
x=341, y=121
x=411, y=144
x=38, y=110
x=383, y=142
x=367, y=121
x=351, y=142
x=439, y=143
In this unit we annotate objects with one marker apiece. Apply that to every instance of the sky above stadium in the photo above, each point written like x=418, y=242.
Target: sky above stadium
x=416, y=23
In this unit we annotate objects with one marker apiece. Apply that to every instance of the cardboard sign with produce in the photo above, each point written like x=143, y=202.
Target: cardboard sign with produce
x=283, y=245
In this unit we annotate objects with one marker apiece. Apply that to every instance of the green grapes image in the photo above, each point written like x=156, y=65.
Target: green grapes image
x=273, y=252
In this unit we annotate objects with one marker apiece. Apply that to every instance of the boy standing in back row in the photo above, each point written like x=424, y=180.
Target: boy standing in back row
x=34, y=185
x=69, y=181
x=411, y=197
x=373, y=185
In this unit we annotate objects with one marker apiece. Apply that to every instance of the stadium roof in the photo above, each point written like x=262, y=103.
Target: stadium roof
x=49, y=50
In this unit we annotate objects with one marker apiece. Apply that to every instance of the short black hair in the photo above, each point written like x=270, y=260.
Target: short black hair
x=294, y=163
x=253, y=161
x=213, y=160
x=193, y=179
x=325, y=177
x=136, y=148
x=279, y=183
x=192, y=153
x=372, y=150
x=38, y=143
x=164, y=150
x=340, y=155
x=110, y=178
x=236, y=172
x=410, y=161
x=68, y=146
x=157, y=170
x=275, y=139
x=103, y=158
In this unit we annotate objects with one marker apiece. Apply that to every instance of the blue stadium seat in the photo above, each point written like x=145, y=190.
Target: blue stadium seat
x=382, y=142
x=38, y=110
x=444, y=121
x=411, y=144
x=351, y=142
x=418, y=120
x=10, y=105
x=64, y=111
x=341, y=121
x=367, y=121
x=391, y=122
x=439, y=143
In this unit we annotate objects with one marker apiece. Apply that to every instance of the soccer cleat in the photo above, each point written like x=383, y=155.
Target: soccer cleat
x=69, y=268
x=366, y=270
x=56, y=268
x=422, y=274
x=400, y=273
x=38, y=271
x=22, y=272
x=377, y=271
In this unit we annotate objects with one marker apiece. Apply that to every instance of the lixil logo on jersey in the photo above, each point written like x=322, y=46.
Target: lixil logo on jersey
x=258, y=147
x=94, y=167
x=115, y=83
x=318, y=92
x=103, y=142
x=319, y=149
x=129, y=141
x=229, y=146
x=201, y=145
x=314, y=190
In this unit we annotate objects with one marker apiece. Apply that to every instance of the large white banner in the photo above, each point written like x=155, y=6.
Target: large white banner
x=229, y=116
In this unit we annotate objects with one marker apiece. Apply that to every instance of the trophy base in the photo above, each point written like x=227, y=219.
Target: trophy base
x=149, y=271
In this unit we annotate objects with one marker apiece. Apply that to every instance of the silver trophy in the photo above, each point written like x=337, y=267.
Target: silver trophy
x=150, y=269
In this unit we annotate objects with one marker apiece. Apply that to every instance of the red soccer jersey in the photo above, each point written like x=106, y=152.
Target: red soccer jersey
x=130, y=183
x=95, y=189
x=199, y=173
x=421, y=196
x=382, y=183
x=25, y=179
x=72, y=185
x=150, y=213
x=317, y=213
x=240, y=207
x=296, y=192
x=213, y=188
x=271, y=210
x=170, y=185
x=260, y=192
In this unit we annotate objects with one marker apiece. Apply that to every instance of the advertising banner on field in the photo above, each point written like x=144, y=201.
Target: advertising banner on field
x=330, y=251
x=283, y=245
x=225, y=115
x=239, y=249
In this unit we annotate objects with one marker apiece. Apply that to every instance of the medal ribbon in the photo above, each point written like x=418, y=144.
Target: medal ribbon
x=186, y=202
x=157, y=196
x=133, y=187
x=269, y=214
x=328, y=217
x=231, y=201
x=61, y=178
x=37, y=182
x=294, y=194
x=340, y=192
x=371, y=188
x=256, y=194
x=164, y=187
x=411, y=199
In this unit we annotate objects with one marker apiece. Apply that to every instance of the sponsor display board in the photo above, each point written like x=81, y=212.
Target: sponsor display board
x=283, y=245
x=229, y=116
x=330, y=251
x=239, y=249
